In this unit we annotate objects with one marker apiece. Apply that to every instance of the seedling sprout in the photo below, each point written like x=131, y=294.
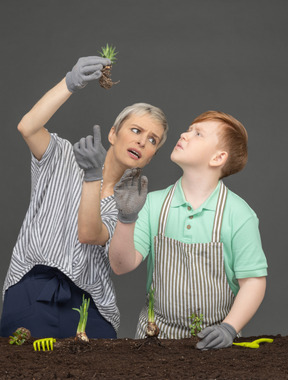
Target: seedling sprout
x=83, y=311
x=196, y=324
x=152, y=329
x=20, y=336
x=110, y=53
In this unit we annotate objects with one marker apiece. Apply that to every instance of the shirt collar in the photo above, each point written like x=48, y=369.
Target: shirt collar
x=179, y=198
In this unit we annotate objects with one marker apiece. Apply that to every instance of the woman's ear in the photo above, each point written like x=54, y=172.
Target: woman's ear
x=112, y=135
x=219, y=159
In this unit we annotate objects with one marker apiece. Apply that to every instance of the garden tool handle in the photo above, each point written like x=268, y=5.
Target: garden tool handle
x=255, y=343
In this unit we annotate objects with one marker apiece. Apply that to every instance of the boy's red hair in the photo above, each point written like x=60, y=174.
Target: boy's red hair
x=233, y=137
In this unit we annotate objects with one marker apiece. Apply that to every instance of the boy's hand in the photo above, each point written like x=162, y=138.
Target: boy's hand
x=90, y=155
x=218, y=336
x=130, y=195
x=85, y=70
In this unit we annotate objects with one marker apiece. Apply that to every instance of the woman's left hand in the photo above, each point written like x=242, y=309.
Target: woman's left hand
x=90, y=155
x=130, y=195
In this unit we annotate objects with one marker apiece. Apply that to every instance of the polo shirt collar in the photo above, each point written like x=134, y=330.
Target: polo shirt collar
x=179, y=198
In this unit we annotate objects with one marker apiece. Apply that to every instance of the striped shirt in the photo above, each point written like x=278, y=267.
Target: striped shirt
x=49, y=234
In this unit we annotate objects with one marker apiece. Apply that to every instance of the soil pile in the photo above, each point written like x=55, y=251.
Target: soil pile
x=131, y=359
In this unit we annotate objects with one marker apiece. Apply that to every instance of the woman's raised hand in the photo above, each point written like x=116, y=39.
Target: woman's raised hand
x=90, y=155
x=85, y=70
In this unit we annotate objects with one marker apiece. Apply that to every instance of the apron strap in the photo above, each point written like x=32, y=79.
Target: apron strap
x=165, y=210
x=219, y=213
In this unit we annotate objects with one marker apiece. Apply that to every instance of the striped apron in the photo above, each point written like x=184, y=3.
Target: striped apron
x=187, y=278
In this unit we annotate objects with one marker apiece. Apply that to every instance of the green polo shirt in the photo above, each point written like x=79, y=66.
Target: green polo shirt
x=242, y=249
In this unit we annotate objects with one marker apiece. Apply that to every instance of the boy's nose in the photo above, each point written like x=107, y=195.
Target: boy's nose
x=183, y=136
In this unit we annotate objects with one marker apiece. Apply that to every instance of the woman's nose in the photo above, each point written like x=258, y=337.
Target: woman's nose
x=141, y=141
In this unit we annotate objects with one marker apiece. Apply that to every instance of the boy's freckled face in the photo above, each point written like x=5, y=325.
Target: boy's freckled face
x=197, y=146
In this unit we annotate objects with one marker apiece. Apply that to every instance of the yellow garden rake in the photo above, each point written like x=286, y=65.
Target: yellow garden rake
x=40, y=343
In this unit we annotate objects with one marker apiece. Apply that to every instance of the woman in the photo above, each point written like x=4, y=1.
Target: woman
x=50, y=268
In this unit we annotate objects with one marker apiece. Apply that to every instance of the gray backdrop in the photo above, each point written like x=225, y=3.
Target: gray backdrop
x=184, y=56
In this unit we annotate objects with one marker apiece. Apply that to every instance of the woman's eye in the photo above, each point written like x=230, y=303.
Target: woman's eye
x=152, y=140
x=135, y=130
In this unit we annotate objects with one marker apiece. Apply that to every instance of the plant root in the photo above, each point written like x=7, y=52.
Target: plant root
x=149, y=341
x=79, y=346
x=105, y=80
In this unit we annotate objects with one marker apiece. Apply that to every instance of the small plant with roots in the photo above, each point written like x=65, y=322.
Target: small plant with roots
x=83, y=311
x=110, y=53
x=20, y=336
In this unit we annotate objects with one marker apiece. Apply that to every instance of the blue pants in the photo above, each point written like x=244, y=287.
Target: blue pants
x=42, y=302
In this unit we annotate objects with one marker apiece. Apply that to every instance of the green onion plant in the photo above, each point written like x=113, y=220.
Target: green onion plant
x=152, y=329
x=83, y=311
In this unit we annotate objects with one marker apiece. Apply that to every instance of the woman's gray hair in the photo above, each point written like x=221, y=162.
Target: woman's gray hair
x=142, y=109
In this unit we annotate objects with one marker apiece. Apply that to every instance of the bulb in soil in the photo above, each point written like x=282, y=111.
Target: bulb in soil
x=152, y=329
x=82, y=337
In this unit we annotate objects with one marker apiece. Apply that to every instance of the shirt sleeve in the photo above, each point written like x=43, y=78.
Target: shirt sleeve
x=109, y=216
x=142, y=232
x=37, y=166
x=249, y=258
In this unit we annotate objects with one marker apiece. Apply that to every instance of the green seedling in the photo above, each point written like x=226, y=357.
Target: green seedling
x=37, y=344
x=20, y=336
x=254, y=344
x=83, y=311
x=110, y=53
x=196, y=324
x=152, y=329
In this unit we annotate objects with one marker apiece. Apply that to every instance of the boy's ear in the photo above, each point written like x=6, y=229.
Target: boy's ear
x=219, y=159
x=111, y=135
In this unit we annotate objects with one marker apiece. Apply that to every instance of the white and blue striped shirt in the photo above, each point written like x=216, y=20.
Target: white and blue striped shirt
x=49, y=234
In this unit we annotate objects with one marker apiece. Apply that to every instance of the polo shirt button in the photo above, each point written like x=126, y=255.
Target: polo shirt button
x=188, y=227
x=191, y=217
x=189, y=208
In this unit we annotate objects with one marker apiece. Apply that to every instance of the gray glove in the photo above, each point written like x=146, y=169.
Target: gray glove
x=85, y=70
x=90, y=155
x=130, y=195
x=218, y=336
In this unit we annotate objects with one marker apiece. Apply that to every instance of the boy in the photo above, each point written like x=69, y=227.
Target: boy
x=202, y=241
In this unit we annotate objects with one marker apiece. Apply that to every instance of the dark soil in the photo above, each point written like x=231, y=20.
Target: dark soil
x=131, y=359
